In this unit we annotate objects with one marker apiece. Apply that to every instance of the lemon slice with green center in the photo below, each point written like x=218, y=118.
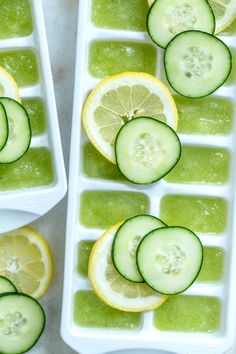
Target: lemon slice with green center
x=111, y=287
x=224, y=11
x=26, y=259
x=8, y=86
x=121, y=98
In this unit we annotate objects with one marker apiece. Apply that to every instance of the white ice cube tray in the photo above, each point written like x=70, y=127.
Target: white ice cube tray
x=98, y=341
x=21, y=207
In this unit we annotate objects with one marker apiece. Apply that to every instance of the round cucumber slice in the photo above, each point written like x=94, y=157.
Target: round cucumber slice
x=22, y=323
x=167, y=18
x=146, y=150
x=6, y=286
x=126, y=242
x=19, y=138
x=170, y=259
x=197, y=63
x=3, y=127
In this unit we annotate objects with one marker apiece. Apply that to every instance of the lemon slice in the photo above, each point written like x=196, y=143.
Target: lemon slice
x=111, y=287
x=26, y=260
x=120, y=98
x=224, y=11
x=8, y=86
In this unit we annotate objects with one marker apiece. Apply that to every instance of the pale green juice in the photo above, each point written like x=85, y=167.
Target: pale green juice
x=22, y=65
x=201, y=165
x=101, y=209
x=34, y=169
x=35, y=109
x=15, y=18
x=90, y=311
x=188, y=314
x=200, y=214
x=208, y=115
x=120, y=14
x=108, y=58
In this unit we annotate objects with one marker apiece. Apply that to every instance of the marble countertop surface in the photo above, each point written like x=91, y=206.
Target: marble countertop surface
x=61, y=27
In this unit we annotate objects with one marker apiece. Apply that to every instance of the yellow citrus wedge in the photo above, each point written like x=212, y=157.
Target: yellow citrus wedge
x=224, y=11
x=111, y=287
x=8, y=86
x=120, y=98
x=26, y=260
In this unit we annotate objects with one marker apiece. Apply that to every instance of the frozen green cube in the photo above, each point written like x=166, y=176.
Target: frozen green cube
x=188, y=314
x=213, y=264
x=15, y=18
x=120, y=14
x=90, y=311
x=108, y=58
x=201, y=214
x=84, y=250
x=22, y=65
x=208, y=115
x=201, y=165
x=101, y=209
x=35, y=110
x=34, y=169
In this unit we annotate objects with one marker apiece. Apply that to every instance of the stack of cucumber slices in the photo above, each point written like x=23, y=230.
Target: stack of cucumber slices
x=15, y=129
x=196, y=62
x=22, y=319
x=145, y=252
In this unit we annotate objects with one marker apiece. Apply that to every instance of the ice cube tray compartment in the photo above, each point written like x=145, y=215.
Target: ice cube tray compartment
x=97, y=340
x=19, y=206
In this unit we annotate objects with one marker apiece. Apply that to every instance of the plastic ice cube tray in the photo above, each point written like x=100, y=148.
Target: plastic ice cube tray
x=98, y=341
x=22, y=206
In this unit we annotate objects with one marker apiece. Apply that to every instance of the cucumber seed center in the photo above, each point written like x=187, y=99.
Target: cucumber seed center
x=147, y=150
x=12, y=324
x=197, y=63
x=171, y=260
x=134, y=245
x=181, y=18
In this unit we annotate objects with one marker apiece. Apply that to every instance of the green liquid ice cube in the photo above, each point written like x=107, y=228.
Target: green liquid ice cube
x=201, y=214
x=120, y=14
x=112, y=57
x=201, y=165
x=15, y=18
x=35, y=109
x=84, y=251
x=213, y=264
x=101, y=209
x=90, y=311
x=232, y=77
x=188, y=314
x=22, y=65
x=96, y=166
x=34, y=169
x=209, y=115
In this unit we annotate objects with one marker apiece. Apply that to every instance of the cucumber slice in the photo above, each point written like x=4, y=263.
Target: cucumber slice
x=3, y=127
x=197, y=63
x=167, y=18
x=126, y=242
x=6, y=286
x=22, y=323
x=170, y=259
x=146, y=150
x=19, y=137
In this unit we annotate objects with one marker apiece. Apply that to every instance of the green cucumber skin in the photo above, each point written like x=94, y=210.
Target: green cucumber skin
x=147, y=27
x=7, y=126
x=179, y=292
x=162, y=176
x=113, y=246
x=44, y=317
x=208, y=94
x=30, y=131
x=9, y=281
